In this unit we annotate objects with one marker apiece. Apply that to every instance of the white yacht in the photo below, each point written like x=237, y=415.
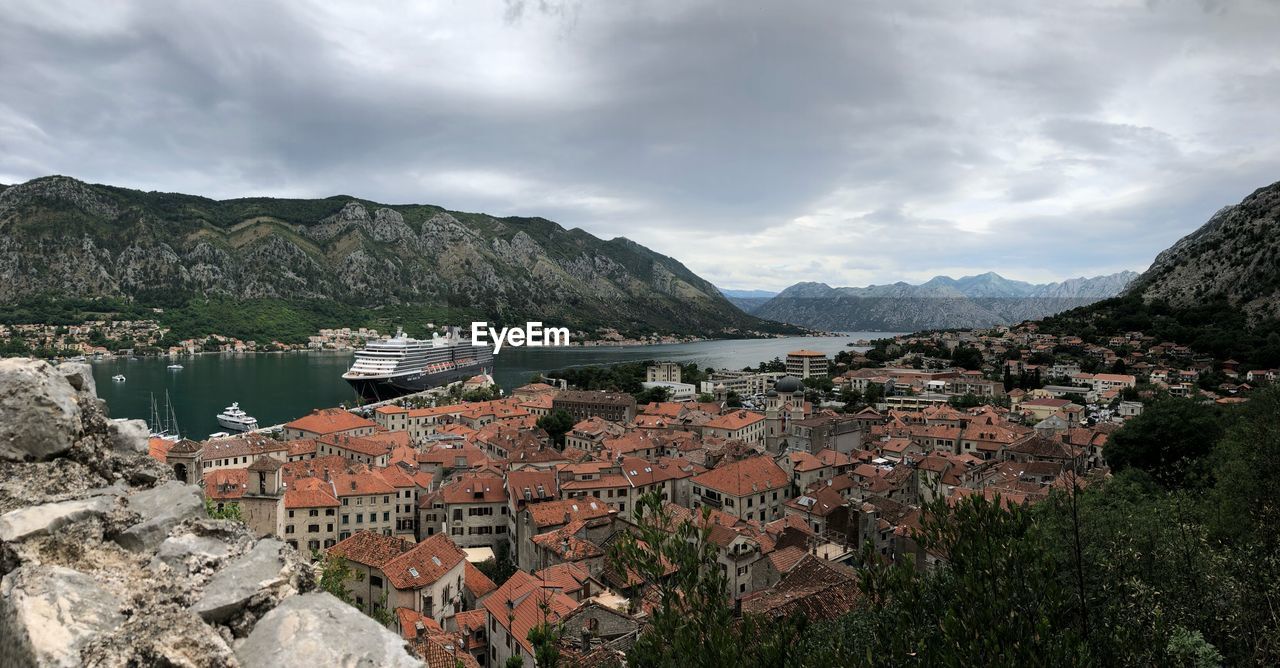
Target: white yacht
x=235, y=419
x=119, y=378
x=174, y=367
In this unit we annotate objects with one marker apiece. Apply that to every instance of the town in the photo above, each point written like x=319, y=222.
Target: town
x=463, y=526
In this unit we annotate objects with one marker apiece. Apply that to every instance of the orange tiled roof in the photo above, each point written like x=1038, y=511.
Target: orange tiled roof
x=329, y=421
x=734, y=421
x=370, y=548
x=362, y=483
x=476, y=581
x=555, y=513
x=743, y=477
x=528, y=600
x=424, y=563
x=225, y=484
x=310, y=493
x=474, y=488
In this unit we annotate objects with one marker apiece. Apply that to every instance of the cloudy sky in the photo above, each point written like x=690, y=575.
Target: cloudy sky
x=759, y=143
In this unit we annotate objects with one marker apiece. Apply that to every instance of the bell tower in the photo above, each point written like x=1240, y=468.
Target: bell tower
x=262, y=506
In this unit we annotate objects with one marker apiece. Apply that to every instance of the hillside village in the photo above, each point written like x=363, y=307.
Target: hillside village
x=789, y=471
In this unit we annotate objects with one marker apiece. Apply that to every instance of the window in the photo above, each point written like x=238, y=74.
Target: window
x=290, y=514
x=386, y=517
x=345, y=500
x=344, y=519
x=314, y=513
x=359, y=518
x=386, y=499
x=313, y=528
x=329, y=512
x=375, y=581
x=288, y=528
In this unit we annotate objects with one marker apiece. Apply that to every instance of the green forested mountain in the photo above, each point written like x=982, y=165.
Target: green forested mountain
x=64, y=239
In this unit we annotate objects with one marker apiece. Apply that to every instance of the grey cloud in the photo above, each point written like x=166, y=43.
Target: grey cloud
x=761, y=144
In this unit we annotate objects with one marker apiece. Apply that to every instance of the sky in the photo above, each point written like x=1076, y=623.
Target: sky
x=759, y=143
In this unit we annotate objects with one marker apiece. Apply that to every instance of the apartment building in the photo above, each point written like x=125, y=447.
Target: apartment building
x=807, y=364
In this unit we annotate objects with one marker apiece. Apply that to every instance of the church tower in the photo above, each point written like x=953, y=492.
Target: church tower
x=262, y=506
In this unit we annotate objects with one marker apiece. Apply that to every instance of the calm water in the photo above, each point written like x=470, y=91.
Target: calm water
x=278, y=387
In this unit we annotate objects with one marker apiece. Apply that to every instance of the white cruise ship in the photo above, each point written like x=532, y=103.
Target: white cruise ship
x=393, y=367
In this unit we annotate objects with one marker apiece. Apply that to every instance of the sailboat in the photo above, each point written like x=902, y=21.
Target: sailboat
x=164, y=426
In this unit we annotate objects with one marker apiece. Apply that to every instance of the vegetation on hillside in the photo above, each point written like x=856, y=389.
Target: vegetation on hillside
x=1212, y=327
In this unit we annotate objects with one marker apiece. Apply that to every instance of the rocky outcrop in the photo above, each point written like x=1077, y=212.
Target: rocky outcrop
x=1234, y=256
x=107, y=561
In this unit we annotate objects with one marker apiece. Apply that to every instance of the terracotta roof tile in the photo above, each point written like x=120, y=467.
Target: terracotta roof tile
x=370, y=548
x=743, y=477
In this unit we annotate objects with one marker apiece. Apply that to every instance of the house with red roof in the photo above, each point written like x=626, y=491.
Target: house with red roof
x=326, y=421
x=754, y=488
x=520, y=604
x=387, y=572
x=472, y=509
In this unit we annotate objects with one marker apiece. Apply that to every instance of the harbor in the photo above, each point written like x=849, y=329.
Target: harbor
x=278, y=387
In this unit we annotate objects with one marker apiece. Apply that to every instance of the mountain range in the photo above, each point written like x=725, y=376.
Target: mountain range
x=61, y=238
x=940, y=303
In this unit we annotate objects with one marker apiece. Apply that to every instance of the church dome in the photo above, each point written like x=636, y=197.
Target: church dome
x=787, y=384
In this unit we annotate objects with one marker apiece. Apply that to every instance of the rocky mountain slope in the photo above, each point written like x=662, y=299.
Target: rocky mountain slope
x=107, y=561
x=942, y=302
x=66, y=238
x=1235, y=256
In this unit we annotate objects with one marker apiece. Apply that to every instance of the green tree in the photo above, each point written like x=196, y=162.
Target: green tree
x=545, y=637
x=967, y=357
x=334, y=573
x=557, y=423
x=693, y=624
x=1171, y=440
x=228, y=511
x=652, y=395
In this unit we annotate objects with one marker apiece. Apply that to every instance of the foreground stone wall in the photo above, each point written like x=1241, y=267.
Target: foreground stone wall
x=105, y=560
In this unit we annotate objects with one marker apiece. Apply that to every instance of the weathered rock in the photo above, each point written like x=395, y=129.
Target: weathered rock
x=39, y=413
x=129, y=436
x=23, y=523
x=258, y=573
x=48, y=615
x=162, y=508
x=189, y=551
x=319, y=630
x=80, y=376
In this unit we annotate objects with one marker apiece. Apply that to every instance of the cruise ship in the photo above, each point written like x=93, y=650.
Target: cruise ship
x=389, y=368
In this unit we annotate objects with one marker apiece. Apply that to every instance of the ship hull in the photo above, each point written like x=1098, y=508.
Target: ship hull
x=383, y=388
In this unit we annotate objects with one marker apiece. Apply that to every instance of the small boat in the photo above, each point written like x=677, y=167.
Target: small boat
x=174, y=367
x=235, y=419
x=119, y=378
x=219, y=434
